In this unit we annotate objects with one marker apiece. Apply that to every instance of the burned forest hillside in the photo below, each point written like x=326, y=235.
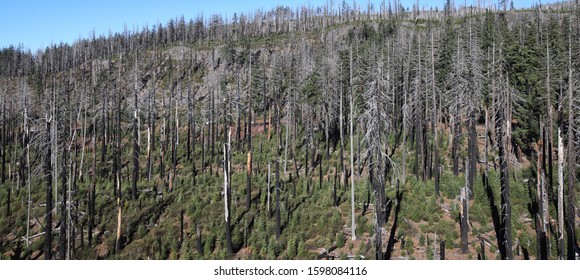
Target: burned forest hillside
x=347, y=132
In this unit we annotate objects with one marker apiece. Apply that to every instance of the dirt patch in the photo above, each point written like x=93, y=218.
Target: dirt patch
x=102, y=251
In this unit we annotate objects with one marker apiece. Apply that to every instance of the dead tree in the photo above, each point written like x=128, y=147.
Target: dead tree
x=542, y=201
x=3, y=133
x=227, y=195
x=135, y=128
x=63, y=207
x=27, y=145
x=249, y=158
x=375, y=117
x=174, y=131
x=48, y=180
x=560, y=207
x=571, y=211
x=503, y=131
x=278, y=149
x=352, y=219
x=92, y=195
x=117, y=162
x=550, y=138
x=434, y=121
x=464, y=213
x=192, y=127
x=475, y=79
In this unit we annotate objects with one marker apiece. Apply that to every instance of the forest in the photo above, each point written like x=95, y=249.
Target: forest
x=347, y=131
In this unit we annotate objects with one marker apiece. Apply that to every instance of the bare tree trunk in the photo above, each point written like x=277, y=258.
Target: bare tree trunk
x=81, y=173
x=117, y=163
x=249, y=158
x=442, y=250
x=189, y=124
x=417, y=142
x=505, y=227
x=175, y=141
x=454, y=146
x=119, y=216
x=404, y=152
x=486, y=158
x=203, y=144
x=72, y=217
x=278, y=223
x=472, y=154
x=435, y=256
x=54, y=150
x=571, y=212
x=48, y=179
x=268, y=189
x=149, y=135
x=307, y=169
x=560, y=193
x=435, y=120
x=193, y=135
x=26, y=141
x=352, y=218
x=213, y=132
x=550, y=124
x=464, y=196
x=8, y=196
x=378, y=210
x=91, y=210
x=3, y=133
x=269, y=123
x=181, y=227
x=163, y=141
x=542, y=223
x=287, y=130
x=136, y=151
x=238, y=120
x=63, y=206
x=321, y=157
x=227, y=198
x=343, y=176
x=358, y=153
x=265, y=107
x=104, y=134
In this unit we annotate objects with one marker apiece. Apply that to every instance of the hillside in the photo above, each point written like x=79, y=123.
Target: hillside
x=243, y=140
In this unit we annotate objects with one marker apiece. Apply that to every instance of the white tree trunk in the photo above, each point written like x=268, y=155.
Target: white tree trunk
x=353, y=224
x=560, y=194
x=268, y=202
x=28, y=169
x=83, y=145
x=225, y=185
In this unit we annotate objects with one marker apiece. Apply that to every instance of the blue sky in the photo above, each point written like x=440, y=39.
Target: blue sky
x=37, y=24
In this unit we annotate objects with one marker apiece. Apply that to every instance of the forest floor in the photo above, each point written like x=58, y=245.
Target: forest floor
x=313, y=228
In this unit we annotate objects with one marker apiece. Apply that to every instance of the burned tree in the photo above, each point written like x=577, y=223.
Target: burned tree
x=227, y=195
x=48, y=179
x=502, y=142
x=249, y=131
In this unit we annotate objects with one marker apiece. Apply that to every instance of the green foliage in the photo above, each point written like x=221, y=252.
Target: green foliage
x=340, y=240
x=524, y=68
x=409, y=247
x=274, y=248
x=429, y=254
x=291, y=248
x=362, y=226
x=302, y=252
x=316, y=72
